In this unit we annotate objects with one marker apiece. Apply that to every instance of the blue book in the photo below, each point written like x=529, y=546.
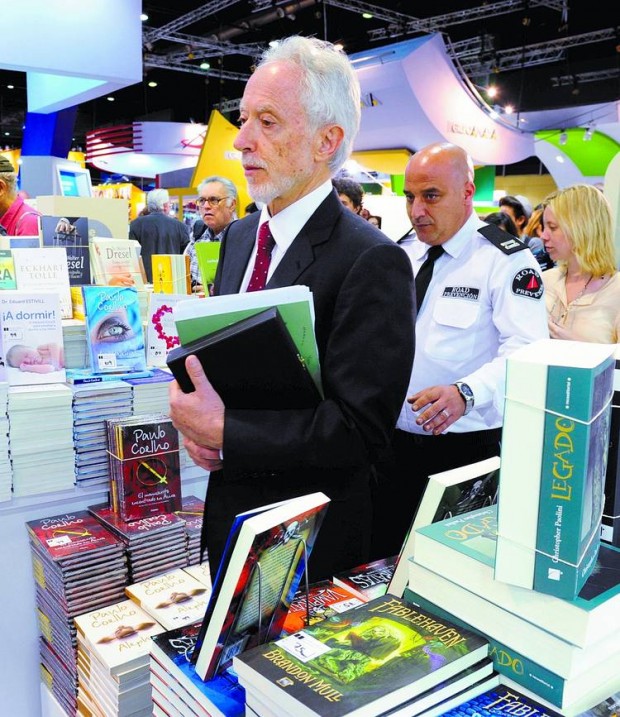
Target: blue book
x=78, y=376
x=114, y=333
x=501, y=700
x=176, y=676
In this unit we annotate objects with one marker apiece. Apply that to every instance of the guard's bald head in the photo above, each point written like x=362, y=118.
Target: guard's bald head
x=448, y=156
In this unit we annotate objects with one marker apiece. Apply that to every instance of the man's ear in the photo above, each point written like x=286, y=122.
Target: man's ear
x=328, y=141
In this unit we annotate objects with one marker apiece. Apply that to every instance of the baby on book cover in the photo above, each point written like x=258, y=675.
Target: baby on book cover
x=31, y=340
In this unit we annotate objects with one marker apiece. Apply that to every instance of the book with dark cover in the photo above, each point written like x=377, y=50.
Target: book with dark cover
x=610, y=529
x=367, y=660
x=323, y=598
x=501, y=700
x=72, y=234
x=263, y=563
x=252, y=364
x=144, y=466
x=170, y=651
x=114, y=333
x=369, y=580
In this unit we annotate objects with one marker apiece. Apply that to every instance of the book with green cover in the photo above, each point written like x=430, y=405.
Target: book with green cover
x=7, y=270
x=208, y=256
x=368, y=659
x=531, y=383
x=463, y=550
x=196, y=319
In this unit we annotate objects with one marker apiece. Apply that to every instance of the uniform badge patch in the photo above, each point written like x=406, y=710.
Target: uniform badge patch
x=461, y=292
x=528, y=282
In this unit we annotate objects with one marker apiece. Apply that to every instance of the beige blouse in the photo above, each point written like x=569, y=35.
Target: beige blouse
x=592, y=317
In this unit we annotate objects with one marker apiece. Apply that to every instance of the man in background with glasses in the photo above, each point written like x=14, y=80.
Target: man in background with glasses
x=217, y=204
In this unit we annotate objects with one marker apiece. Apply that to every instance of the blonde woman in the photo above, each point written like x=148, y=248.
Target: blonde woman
x=583, y=290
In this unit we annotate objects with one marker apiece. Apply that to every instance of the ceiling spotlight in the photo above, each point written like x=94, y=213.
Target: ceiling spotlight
x=10, y=87
x=492, y=91
x=509, y=109
x=367, y=16
x=563, y=137
x=152, y=83
x=110, y=99
x=205, y=66
x=144, y=17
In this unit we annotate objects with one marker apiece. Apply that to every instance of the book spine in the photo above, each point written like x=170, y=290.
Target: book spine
x=610, y=531
x=571, y=488
x=506, y=661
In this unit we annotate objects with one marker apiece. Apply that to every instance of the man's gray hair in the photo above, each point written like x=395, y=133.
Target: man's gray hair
x=10, y=179
x=156, y=199
x=329, y=89
x=231, y=190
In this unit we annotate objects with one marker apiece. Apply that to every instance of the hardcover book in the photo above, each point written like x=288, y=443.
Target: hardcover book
x=275, y=378
x=44, y=269
x=322, y=599
x=7, y=270
x=610, y=529
x=553, y=460
x=72, y=234
x=171, y=274
x=531, y=640
x=114, y=333
x=463, y=550
x=116, y=262
x=31, y=340
x=367, y=660
x=173, y=599
x=369, y=580
x=221, y=696
x=144, y=466
x=195, y=320
x=447, y=494
x=261, y=569
x=161, y=331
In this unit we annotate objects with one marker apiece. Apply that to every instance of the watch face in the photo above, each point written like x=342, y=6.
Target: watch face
x=466, y=391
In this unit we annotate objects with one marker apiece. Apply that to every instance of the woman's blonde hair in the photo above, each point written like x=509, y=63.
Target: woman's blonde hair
x=584, y=216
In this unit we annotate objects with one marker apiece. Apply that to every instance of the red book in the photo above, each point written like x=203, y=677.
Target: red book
x=144, y=466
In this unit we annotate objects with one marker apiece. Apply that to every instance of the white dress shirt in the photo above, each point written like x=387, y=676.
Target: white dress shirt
x=481, y=305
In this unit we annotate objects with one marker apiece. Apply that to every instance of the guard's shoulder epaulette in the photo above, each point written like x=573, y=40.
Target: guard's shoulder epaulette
x=505, y=242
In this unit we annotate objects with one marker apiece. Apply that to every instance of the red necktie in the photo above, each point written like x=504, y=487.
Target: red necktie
x=263, y=258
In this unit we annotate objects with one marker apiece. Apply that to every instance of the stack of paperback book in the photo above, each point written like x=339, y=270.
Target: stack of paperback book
x=177, y=688
x=78, y=565
x=173, y=599
x=150, y=393
x=565, y=652
x=202, y=573
x=154, y=545
x=93, y=403
x=6, y=471
x=43, y=412
x=192, y=510
x=145, y=476
x=74, y=340
x=384, y=656
x=113, y=660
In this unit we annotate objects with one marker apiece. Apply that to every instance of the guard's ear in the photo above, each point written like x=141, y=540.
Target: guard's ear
x=329, y=139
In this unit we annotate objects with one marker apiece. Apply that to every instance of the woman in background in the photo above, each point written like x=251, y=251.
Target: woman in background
x=583, y=290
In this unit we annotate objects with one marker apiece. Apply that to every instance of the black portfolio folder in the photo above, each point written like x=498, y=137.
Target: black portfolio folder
x=252, y=364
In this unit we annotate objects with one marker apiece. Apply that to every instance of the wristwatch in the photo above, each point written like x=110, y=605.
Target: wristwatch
x=466, y=394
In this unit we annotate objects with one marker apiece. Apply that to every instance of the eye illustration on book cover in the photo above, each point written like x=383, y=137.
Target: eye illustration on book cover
x=114, y=329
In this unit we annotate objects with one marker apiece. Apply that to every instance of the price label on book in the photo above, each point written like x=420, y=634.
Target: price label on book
x=302, y=646
x=106, y=360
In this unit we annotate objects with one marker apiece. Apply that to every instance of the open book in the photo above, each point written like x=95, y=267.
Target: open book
x=264, y=560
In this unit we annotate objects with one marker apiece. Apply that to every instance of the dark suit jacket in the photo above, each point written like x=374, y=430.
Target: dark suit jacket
x=158, y=233
x=362, y=287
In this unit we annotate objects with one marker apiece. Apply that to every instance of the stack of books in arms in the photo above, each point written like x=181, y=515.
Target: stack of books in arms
x=78, y=565
x=559, y=649
x=113, y=660
x=6, y=471
x=154, y=545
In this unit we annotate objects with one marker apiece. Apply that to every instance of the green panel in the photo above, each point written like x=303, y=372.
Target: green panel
x=591, y=157
x=484, y=178
x=398, y=183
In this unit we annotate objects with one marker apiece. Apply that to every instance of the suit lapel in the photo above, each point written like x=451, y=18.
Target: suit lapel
x=301, y=253
x=240, y=239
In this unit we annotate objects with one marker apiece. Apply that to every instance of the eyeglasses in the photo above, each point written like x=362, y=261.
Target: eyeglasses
x=211, y=201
